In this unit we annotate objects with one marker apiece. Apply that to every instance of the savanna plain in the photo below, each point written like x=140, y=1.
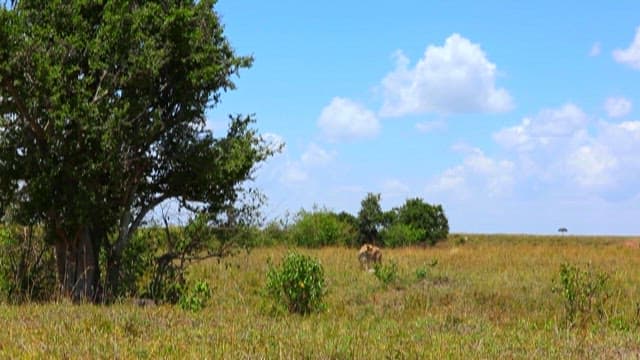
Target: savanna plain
x=472, y=296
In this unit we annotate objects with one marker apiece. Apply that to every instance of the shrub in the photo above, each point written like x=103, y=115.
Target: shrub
x=196, y=298
x=423, y=216
x=27, y=266
x=370, y=218
x=423, y=271
x=584, y=293
x=321, y=228
x=386, y=273
x=298, y=284
x=399, y=234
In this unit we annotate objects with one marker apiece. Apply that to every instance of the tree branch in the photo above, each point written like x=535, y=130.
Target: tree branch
x=22, y=109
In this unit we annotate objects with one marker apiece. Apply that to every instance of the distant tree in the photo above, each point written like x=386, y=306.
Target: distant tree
x=321, y=227
x=425, y=217
x=348, y=218
x=102, y=118
x=563, y=230
x=370, y=218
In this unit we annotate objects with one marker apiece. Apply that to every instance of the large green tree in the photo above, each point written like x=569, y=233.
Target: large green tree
x=370, y=218
x=102, y=118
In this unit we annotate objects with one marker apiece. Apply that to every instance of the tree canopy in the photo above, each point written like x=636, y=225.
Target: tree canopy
x=102, y=118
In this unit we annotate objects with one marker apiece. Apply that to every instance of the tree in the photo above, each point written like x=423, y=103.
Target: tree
x=102, y=118
x=370, y=218
x=424, y=217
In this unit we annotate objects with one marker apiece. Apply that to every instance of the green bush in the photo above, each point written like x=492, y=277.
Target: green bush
x=423, y=271
x=398, y=235
x=386, y=273
x=584, y=293
x=196, y=298
x=321, y=228
x=27, y=266
x=423, y=216
x=298, y=284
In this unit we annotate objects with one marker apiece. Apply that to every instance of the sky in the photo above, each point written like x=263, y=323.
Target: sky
x=517, y=117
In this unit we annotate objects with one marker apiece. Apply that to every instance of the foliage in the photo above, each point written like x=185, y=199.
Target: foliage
x=423, y=271
x=27, y=266
x=102, y=116
x=399, y=234
x=425, y=217
x=490, y=299
x=386, y=273
x=196, y=298
x=321, y=228
x=298, y=284
x=157, y=259
x=370, y=218
x=585, y=293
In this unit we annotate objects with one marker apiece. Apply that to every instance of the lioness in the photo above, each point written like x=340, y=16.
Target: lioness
x=368, y=255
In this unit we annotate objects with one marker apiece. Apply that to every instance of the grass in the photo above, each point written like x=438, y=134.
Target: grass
x=489, y=298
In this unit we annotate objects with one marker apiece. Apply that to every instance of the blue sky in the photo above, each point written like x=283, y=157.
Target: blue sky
x=518, y=117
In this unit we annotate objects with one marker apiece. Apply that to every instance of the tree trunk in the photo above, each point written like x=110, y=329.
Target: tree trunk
x=78, y=271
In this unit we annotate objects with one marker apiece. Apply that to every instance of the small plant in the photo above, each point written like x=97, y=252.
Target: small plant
x=298, y=284
x=423, y=271
x=196, y=298
x=386, y=273
x=27, y=266
x=585, y=293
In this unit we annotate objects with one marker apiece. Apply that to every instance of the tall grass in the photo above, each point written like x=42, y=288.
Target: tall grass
x=489, y=298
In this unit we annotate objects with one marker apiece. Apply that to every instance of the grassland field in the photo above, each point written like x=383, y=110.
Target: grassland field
x=491, y=297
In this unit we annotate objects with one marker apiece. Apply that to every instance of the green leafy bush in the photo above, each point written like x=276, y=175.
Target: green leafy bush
x=426, y=217
x=423, y=271
x=298, y=284
x=321, y=228
x=27, y=266
x=196, y=298
x=386, y=273
x=584, y=293
x=398, y=235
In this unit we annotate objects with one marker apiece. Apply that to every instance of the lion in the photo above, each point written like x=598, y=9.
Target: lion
x=368, y=255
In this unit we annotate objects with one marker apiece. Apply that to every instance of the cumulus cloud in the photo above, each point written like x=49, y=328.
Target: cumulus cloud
x=595, y=49
x=478, y=173
x=631, y=55
x=617, y=106
x=274, y=141
x=454, y=78
x=560, y=150
x=592, y=165
x=344, y=119
x=316, y=155
x=547, y=128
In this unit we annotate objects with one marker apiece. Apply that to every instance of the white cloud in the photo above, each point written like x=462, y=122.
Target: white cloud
x=478, y=173
x=547, y=128
x=274, y=141
x=429, y=126
x=556, y=151
x=293, y=174
x=617, y=106
x=592, y=166
x=631, y=55
x=315, y=155
x=454, y=78
x=595, y=49
x=344, y=119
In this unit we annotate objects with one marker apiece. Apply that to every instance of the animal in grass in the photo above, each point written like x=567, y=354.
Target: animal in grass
x=369, y=255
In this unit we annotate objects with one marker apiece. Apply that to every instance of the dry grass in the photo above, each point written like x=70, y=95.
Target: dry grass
x=489, y=298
